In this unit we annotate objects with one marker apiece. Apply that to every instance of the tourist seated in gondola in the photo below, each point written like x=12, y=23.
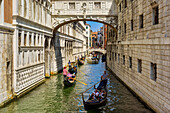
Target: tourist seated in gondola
x=101, y=94
x=65, y=72
x=95, y=94
x=75, y=70
x=71, y=70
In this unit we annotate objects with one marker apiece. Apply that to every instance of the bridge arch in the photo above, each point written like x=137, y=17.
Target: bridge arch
x=99, y=50
x=112, y=22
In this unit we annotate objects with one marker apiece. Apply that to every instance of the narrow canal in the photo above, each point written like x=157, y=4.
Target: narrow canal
x=53, y=97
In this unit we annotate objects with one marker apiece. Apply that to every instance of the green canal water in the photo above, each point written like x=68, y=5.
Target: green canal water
x=53, y=97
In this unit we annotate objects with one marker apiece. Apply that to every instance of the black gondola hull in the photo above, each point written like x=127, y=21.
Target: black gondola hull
x=68, y=84
x=92, y=105
x=88, y=105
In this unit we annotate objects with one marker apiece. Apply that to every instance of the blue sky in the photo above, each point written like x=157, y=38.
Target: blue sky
x=94, y=25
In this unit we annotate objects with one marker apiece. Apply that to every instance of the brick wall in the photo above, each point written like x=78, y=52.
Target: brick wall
x=8, y=11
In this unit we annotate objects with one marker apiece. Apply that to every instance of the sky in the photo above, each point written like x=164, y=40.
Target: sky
x=94, y=25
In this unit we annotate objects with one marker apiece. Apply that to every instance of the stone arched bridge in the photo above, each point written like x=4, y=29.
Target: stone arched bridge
x=100, y=50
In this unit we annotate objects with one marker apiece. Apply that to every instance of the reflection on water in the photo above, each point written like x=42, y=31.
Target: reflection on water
x=53, y=97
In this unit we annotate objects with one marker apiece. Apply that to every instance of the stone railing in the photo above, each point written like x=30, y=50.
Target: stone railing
x=29, y=76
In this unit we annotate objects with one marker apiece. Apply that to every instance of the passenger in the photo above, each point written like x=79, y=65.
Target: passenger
x=96, y=93
x=101, y=94
x=75, y=70
x=65, y=72
x=93, y=96
x=69, y=63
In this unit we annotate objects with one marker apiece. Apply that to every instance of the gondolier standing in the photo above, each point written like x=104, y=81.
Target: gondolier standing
x=104, y=79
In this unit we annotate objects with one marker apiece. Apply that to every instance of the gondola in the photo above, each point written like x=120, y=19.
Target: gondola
x=95, y=103
x=69, y=81
x=92, y=61
x=80, y=62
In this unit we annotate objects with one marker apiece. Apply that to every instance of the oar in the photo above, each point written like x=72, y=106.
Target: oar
x=94, y=84
x=80, y=81
x=82, y=72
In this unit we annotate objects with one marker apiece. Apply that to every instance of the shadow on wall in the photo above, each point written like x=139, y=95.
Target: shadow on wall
x=58, y=55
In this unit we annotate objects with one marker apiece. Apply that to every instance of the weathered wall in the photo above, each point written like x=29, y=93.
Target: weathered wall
x=6, y=64
x=150, y=44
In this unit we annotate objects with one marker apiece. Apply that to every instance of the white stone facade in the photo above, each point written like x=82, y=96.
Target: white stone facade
x=140, y=54
x=65, y=11
x=32, y=24
x=88, y=35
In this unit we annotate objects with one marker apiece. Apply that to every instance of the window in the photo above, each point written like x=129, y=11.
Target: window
x=39, y=56
x=118, y=58
x=153, y=74
x=130, y=62
x=25, y=39
x=125, y=3
x=38, y=40
x=72, y=5
x=30, y=40
x=125, y=27
x=131, y=25
x=19, y=39
x=155, y=15
x=97, y=5
x=141, y=21
x=8, y=66
x=120, y=7
x=123, y=59
x=86, y=27
x=115, y=56
x=34, y=40
x=139, y=65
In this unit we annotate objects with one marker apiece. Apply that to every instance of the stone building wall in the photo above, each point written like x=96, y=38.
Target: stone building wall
x=140, y=54
x=6, y=63
x=6, y=52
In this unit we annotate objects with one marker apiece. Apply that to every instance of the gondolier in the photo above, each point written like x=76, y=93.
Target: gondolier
x=103, y=80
